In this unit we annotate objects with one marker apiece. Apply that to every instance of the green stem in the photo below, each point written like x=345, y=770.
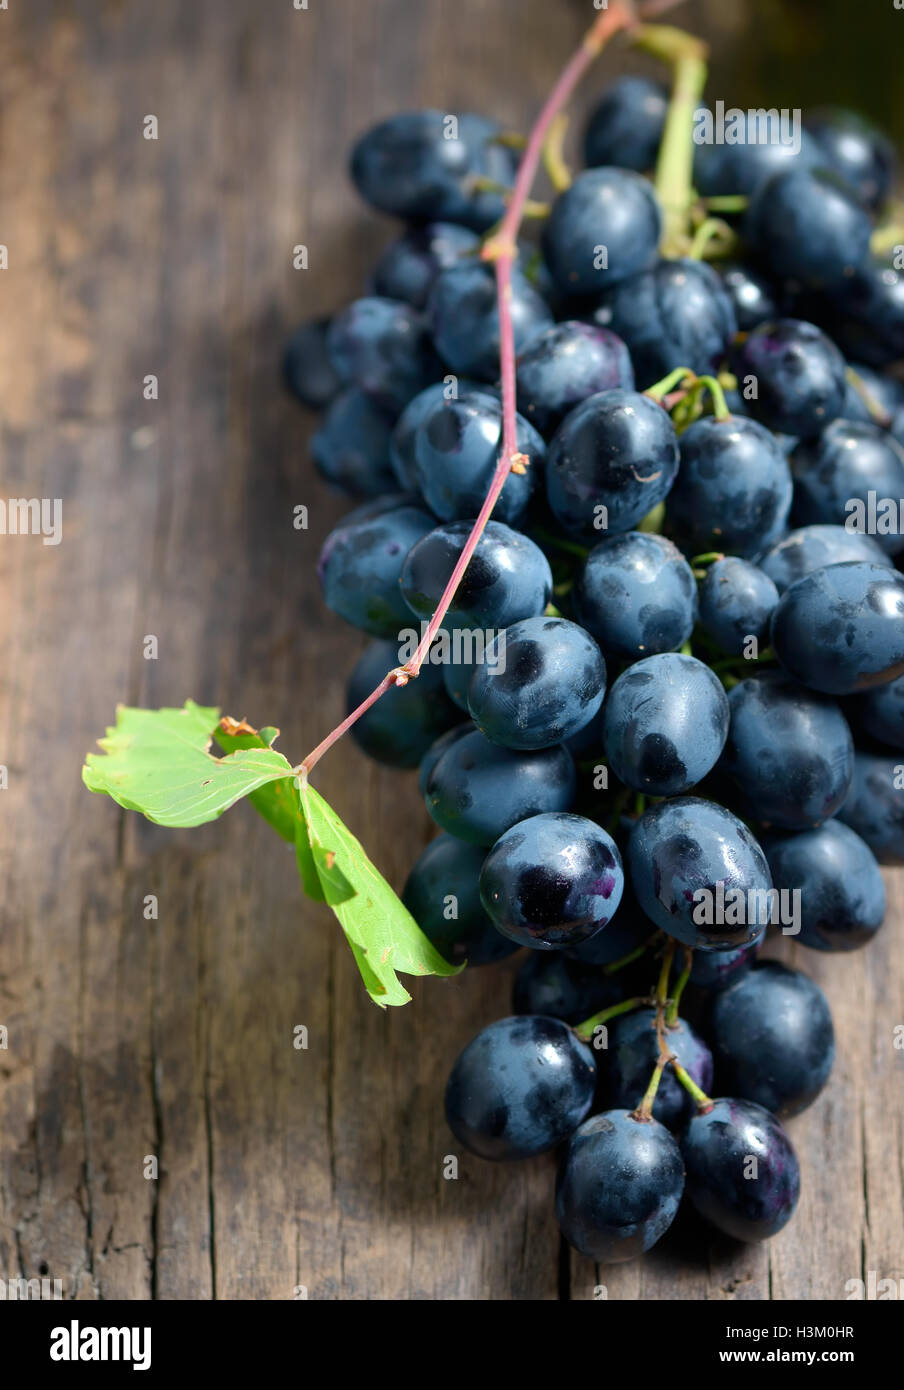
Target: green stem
x=720, y=405
x=586, y=1029
x=636, y=954
x=674, y=170
x=662, y=388
x=709, y=557
x=728, y=202
x=712, y=229
x=868, y=399
x=644, y=1111
x=557, y=171
x=703, y=1101
x=671, y=1017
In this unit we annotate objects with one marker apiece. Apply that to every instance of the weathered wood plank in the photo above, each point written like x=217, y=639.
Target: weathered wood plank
x=282, y=1171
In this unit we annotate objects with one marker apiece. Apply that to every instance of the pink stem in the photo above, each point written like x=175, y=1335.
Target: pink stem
x=502, y=248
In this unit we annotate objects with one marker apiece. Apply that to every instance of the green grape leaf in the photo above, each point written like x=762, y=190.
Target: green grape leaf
x=159, y=762
x=382, y=933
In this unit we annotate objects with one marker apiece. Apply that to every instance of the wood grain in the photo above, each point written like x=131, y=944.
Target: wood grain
x=282, y=1172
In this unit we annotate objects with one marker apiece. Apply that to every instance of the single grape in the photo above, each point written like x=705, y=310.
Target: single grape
x=552, y=881
x=418, y=165
x=789, y=751
x=519, y=1088
x=880, y=712
x=637, y=594
x=400, y=727
x=360, y=565
x=456, y=449
x=677, y=314
x=351, y=447
x=736, y=603
x=383, y=347
x=602, y=229
x=477, y=790
x=860, y=154
x=558, y=987
x=611, y=461
x=437, y=749
x=842, y=896
x=806, y=226
x=733, y=489
x=772, y=1038
x=619, y=1186
x=625, y=127
x=874, y=806
x=543, y=679
x=685, y=857
x=799, y=375
x=564, y=365
x=841, y=629
x=408, y=266
x=812, y=548
x=632, y=1055
x=402, y=443
x=442, y=894
x=865, y=316
x=508, y=577
x=746, y=1201
x=666, y=722
x=845, y=464
x=307, y=369
x=753, y=297
x=464, y=315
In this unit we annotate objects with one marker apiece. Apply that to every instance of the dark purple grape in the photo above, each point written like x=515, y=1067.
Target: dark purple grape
x=689, y=859
x=564, y=365
x=552, y=881
x=308, y=371
x=842, y=896
x=772, y=1038
x=637, y=594
x=619, y=1186
x=841, y=629
x=351, y=447
x=602, y=229
x=789, y=751
x=408, y=266
x=742, y=1172
x=611, y=461
x=874, y=806
x=677, y=314
x=799, y=376
x=442, y=893
x=520, y=1088
x=423, y=165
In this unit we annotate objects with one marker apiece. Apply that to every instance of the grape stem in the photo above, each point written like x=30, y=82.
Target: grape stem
x=501, y=248
x=644, y=1111
x=585, y=1030
x=704, y=1104
x=674, y=169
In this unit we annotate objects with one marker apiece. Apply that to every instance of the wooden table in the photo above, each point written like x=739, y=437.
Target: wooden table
x=281, y=1171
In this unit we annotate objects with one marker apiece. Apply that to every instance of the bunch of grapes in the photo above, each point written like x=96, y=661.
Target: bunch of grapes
x=665, y=708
